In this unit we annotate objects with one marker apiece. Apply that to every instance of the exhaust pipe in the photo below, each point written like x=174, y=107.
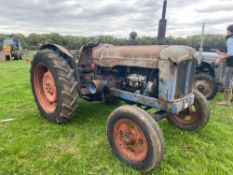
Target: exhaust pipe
x=162, y=25
x=96, y=86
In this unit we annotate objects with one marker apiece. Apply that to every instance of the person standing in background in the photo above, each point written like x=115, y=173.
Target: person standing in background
x=229, y=68
x=133, y=38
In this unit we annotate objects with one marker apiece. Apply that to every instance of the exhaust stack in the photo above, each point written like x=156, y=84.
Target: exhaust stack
x=162, y=25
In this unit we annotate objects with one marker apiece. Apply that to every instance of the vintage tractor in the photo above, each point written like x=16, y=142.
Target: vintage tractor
x=11, y=48
x=209, y=78
x=157, y=77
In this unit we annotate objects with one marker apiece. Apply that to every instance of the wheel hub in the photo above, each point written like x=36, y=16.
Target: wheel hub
x=187, y=116
x=130, y=140
x=49, y=87
x=45, y=88
x=203, y=86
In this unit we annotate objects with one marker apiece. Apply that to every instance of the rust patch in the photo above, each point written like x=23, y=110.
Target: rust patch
x=130, y=140
x=61, y=48
x=45, y=88
x=136, y=56
x=177, y=54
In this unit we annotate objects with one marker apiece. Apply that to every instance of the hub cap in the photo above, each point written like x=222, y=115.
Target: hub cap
x=45, y=88
x=49, y=87
x=188, y=116
x=203, y=86
x=130, y=140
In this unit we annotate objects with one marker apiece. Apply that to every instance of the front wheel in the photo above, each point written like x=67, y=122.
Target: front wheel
x=194, y=117
x=135, y=138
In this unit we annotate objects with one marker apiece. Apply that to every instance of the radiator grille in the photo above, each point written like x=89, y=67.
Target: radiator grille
x=186, y=70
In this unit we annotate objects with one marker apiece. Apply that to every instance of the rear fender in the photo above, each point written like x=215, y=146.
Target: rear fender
x=65, y=53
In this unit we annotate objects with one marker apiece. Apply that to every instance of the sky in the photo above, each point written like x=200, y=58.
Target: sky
x=114, y=17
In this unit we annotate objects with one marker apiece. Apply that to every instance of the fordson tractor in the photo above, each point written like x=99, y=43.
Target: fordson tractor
x=157, y=76
x=209, y=78
x=146, y=77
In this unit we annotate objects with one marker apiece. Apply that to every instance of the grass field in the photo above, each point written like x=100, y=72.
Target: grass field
x=33, y=145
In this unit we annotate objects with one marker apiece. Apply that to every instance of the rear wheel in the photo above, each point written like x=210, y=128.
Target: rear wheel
x=194, y=117
x=53, y=86
x=206, y=84
x=135, y=138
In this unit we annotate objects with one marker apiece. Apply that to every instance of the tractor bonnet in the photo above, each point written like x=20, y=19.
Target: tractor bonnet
x=139, y=56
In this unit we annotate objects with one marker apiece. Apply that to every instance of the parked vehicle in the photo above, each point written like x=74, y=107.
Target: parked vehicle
x=209, y=78
x=158, y=77
x=11, y=49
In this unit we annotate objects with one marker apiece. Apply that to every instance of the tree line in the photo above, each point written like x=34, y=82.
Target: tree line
x=32, y=41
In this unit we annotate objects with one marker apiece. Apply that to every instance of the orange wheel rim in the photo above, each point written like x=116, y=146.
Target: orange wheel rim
x=188, y=116
x=45, y=88
x=130, y=140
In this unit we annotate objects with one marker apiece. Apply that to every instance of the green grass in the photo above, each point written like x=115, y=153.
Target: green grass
x=33, y=145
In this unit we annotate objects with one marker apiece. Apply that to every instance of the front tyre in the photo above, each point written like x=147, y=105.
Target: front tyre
x=195, y=117
x=53, y=86
x=135, y=138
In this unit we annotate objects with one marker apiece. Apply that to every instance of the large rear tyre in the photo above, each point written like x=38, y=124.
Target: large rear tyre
x=195, y=117
x=135, y=138
x=53, y=86
x=206, y=84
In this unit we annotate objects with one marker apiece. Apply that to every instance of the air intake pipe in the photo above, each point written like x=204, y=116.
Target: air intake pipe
x=96, y=86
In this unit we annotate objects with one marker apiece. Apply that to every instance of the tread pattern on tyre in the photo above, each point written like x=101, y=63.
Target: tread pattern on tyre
x=65, y=82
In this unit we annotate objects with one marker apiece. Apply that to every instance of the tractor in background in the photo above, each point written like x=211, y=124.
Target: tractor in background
x=11, y=49
x=208, y=78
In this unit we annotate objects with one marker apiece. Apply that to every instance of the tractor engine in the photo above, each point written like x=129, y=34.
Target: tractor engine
x=136, y=81
x=145, y=84
x=162, y=73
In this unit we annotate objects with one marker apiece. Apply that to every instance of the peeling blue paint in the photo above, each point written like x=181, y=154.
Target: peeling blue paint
x=171, y=90
x=188, y=77
x=172, y=107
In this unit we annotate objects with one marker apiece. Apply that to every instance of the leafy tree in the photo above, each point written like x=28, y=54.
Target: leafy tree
x=75, y=42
